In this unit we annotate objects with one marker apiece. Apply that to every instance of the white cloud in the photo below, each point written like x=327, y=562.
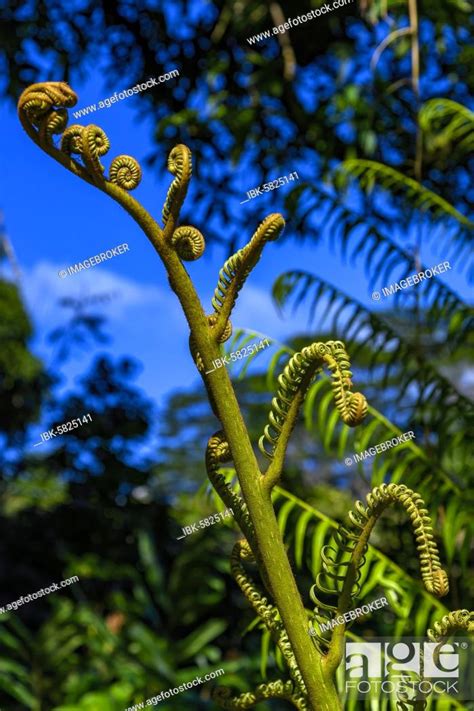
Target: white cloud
x=114, y=294
x=144, y=321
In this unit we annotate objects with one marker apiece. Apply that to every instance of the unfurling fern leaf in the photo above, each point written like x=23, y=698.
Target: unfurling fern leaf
x=459, y=620
x=343, y=559
x=293, y=384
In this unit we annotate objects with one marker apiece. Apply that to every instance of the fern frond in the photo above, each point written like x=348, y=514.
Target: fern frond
x=369, y=174
x=218, y=452
x=180, y=166
x=368, y=236
x=236, y=269
x=456, y=621
x=350, y=317
x=343, y=559
x=293, y=384
x=448, y=123
x=273, y=690
x=265, y=611
x=408, y=462
x=305, y=530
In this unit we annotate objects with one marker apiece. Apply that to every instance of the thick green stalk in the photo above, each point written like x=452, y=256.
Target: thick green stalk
x=271, y=553
x=271, y=549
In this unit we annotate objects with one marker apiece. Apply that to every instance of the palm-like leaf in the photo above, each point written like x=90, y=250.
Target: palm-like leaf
x=447, y=124
x=363, y=237
x=351, y=321
x=370, y=174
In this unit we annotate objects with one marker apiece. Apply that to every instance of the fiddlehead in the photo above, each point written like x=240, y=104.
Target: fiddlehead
x=293, y=384
x=456, y=621
x=267, y=612
x=236, y=269
x=344, y=558
x=188, y=243
x=37, y=115
x=218, y=452
x=54, y=123
x=42, y=109
x=95, y=144
x=352, y=407
x=71, y=140
x=125, y=172
x=434, y=577
x=222, y=695
x=180, y=165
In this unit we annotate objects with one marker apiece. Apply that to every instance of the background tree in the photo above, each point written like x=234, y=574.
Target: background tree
x=331, y=109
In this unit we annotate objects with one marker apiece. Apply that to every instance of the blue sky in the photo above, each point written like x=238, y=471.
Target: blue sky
x=54, y=220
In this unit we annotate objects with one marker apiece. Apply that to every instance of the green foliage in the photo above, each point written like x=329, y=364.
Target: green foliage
x=412, y=194
x=392, y=346
x=447, y=125
x=23, y=382
x=126, y=646
x=42, y=490
x=306, y=530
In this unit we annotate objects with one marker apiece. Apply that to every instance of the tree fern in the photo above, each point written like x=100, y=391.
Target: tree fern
x=43, y=113
x=447, y=125
x=347, y=316
x=370, y=174
x=368, y=238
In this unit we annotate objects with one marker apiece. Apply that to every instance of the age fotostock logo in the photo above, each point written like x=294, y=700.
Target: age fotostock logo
x=389, y=668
